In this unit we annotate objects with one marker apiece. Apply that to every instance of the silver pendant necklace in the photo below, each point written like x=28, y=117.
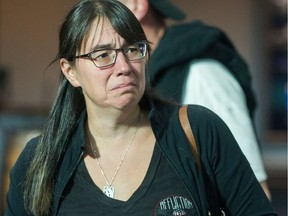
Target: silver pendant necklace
x=108, y=189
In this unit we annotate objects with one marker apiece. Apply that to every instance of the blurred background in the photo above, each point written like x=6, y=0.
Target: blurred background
x=29, y=42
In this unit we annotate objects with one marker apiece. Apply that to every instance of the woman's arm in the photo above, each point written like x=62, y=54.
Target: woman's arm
x=15, y=198
x=226, y=168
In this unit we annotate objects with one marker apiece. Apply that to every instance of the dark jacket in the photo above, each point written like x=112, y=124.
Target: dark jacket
x=182, y=44
x=224, y=166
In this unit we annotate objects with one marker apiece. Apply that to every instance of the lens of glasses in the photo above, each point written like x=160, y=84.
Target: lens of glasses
x=135, y=52
x=104, y=58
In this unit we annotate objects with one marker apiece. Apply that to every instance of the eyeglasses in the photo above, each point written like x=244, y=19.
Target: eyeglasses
x=106, y=57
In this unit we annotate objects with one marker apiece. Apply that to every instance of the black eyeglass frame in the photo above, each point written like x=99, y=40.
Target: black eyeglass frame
x=89, y=55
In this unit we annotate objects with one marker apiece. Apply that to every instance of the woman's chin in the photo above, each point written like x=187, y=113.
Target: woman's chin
x=125, y=102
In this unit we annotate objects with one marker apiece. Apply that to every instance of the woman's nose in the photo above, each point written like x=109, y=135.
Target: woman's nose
x=121, y=66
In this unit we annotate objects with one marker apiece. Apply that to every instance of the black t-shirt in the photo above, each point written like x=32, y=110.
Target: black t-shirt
x=161, y=193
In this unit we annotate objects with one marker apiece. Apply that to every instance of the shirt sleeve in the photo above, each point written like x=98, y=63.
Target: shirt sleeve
x=228, y=179
x=15, y=194
x=210, y=84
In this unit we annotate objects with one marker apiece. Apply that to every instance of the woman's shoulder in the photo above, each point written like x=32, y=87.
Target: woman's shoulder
x=29, y=149
x=24, y=158
x=199, y=112
x=204, y=118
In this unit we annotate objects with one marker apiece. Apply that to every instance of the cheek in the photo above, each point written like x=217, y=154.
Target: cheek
x=92, y=81
x=95, y=84
x=142, y=75
x=94, y=90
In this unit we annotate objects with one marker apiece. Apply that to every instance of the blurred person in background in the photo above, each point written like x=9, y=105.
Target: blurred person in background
x=194, y=63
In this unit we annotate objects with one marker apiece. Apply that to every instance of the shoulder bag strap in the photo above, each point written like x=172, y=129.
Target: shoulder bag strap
x=183, y=117
x=184, y=121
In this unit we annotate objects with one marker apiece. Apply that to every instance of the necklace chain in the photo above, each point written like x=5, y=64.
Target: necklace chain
x=108, y=189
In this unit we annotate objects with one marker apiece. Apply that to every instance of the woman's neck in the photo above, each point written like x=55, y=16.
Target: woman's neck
x=113, y=126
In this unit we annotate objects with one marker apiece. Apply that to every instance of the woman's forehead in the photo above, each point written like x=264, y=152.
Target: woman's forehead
x=101, y=33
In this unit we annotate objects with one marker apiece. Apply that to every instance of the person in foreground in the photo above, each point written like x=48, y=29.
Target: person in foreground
x=112, y=148
x=195, y=63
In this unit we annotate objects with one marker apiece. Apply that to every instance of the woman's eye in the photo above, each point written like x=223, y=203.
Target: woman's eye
x=132, y=50
x=99, y=56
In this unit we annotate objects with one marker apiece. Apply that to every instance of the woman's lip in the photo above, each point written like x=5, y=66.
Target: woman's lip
x=123, y=85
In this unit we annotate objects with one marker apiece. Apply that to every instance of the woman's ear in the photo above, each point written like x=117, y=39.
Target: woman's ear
x=69, y=72
x=138, y=7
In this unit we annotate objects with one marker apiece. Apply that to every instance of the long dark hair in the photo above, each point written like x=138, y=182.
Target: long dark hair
x=69, y=103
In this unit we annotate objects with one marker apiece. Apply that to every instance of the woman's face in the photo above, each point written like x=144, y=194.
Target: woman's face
x=116, y=86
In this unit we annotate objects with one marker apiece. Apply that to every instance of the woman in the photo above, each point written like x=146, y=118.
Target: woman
x=109, y=148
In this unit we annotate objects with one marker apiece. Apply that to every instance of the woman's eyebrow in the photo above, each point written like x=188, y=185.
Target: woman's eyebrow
x=107, y=46
x=102, y=46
